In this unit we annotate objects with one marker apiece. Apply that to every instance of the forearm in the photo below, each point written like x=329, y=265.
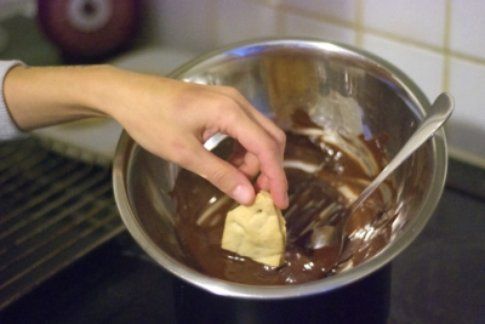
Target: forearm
x=152, y=108
x=44, y=96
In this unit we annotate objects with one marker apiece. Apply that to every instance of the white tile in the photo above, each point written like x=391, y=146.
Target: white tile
x=184, y=24
x=421, y=20
x=296, y=25
x=467, y=34
x=339, y=9
x=240, y=20
x=270, y=2
x=467, y=124
x=424, y=67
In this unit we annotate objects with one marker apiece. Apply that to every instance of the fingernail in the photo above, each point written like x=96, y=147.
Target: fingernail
x=242, y=194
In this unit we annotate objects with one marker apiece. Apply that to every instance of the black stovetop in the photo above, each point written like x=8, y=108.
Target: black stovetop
x=438, y=279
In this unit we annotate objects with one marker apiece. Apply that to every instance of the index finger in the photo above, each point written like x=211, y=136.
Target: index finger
x=257, y=141
x=265, y=122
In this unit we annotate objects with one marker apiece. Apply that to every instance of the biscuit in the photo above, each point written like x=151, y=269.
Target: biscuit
x=257, y=231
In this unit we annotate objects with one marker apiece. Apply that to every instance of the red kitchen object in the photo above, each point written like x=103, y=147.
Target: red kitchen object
x=89, y=29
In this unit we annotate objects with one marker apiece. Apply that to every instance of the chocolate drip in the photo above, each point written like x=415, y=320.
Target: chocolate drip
x=316, y=173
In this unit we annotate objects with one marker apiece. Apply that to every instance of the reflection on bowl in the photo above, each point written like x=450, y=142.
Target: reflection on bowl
x=348, y=92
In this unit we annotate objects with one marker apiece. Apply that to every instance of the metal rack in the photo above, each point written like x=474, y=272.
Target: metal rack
x=53, y=210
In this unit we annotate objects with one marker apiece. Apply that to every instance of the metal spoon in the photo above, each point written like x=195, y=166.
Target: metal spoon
x=438, y=114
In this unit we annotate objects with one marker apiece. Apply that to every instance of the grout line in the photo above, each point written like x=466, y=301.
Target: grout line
x=445, y=85
x=275, y=5
x=216, y=22
x=432, y=48
x=280, y=22
x=266, y=3
x=404, y=39
x=466, y=156
x=213, y=22
x=468, y=57
x=359, y=23
x=446, y=47
x=315, y=15
x=381, y=33
x=377, y=32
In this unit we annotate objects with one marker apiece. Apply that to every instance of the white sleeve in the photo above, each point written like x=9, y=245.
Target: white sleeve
x=8, y=129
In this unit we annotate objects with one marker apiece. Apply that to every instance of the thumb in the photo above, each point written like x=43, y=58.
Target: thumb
x=223, y=175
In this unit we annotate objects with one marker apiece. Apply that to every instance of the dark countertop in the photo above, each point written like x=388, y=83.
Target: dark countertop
x=439, y=278
x=436, y=280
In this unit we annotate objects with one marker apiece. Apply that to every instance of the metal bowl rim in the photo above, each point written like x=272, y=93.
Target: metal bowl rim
x=231, y=289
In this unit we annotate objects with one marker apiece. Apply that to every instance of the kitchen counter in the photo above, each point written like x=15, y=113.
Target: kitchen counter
x=435, y=280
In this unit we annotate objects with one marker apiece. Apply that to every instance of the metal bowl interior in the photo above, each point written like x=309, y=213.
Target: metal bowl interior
x=278, y=76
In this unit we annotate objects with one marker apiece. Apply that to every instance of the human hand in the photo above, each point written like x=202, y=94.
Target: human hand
x=169, y=118
x=173, y=119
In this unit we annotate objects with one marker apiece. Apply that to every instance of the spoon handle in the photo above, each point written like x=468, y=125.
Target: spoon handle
x=438, y=113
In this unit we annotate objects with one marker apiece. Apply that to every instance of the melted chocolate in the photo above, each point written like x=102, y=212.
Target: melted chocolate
x=315, y=170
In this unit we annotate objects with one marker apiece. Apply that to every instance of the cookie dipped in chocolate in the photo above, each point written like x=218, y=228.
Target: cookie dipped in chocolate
x=323, y=179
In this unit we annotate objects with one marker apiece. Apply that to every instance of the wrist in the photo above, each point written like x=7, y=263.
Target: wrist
x=117, y=92
x=107, y=91
x=95, y=92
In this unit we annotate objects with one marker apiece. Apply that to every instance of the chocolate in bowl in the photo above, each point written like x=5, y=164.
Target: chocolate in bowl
x=323, y=180
x=372, y=105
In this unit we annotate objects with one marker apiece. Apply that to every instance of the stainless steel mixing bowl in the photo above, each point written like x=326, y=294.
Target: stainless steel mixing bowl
x=359, y=93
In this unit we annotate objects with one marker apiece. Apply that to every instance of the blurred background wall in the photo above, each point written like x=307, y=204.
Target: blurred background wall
x=440, y=44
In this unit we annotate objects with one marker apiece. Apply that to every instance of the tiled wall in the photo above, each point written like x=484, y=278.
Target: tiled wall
x=440, y=44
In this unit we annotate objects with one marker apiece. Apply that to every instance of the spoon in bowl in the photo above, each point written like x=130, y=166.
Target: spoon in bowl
x=437, y=115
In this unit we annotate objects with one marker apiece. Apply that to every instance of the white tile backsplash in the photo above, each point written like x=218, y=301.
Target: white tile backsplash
x=339, y=9
x=467, y=125
x=467, y=32
x=424, y=67
x=241, y=20
x=296, y=25
x=420, y=20
x=185, y=24
x=409, y=33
